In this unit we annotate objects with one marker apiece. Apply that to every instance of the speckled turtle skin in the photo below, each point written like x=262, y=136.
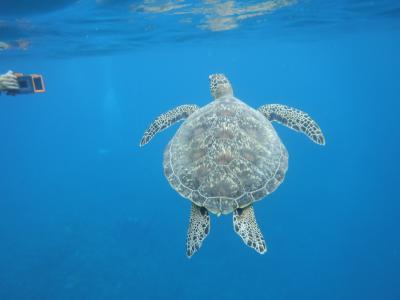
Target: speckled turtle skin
x=226, y=155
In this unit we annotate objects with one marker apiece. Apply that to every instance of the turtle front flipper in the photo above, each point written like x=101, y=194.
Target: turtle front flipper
x=245, y=225
x=166, y=120
x=199, y=227
x=294, y=119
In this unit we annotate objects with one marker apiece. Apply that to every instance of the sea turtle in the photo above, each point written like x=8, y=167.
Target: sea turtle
x=226, y=156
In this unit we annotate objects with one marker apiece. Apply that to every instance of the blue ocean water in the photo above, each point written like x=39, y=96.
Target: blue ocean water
x=87, y=214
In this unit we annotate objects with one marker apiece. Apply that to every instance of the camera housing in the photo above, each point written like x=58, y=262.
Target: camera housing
x=28, y=84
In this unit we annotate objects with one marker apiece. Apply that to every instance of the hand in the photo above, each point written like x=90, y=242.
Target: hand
x=8, y=81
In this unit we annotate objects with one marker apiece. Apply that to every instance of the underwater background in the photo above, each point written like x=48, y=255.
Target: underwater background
x=87, y=214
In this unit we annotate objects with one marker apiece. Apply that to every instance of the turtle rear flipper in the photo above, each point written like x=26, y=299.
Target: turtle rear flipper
x=245, y=225
x=199, y=227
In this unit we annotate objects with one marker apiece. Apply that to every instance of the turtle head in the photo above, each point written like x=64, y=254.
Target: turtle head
x=220, y=86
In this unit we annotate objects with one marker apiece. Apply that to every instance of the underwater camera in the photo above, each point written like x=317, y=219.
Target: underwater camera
x=28, y=84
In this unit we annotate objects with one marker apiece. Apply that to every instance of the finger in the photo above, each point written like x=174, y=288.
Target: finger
x=10, y=82
x=12, y=87
x=12, y=77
